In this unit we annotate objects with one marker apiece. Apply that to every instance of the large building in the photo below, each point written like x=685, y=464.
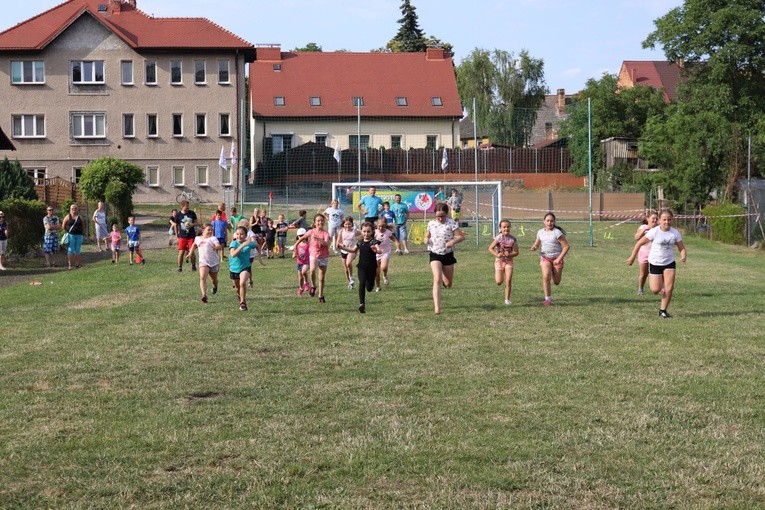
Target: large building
x=92, y=78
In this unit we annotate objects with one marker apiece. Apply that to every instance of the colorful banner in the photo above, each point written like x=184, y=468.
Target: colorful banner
x=418, y=201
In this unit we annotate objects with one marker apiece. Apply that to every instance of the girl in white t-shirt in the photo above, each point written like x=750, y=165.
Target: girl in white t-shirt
x=441, y=235
x=209, y=260
x=553, y=247
x=346, y=238
x=661, y=258
x=504, y=248
x=383, y=236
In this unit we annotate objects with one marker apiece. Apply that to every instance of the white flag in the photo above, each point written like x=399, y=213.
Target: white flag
x=222, y=160
x=337, y=152
x=233, y=155
x=444, y=160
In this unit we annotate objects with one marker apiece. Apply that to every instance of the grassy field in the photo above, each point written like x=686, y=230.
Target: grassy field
x=120, y=389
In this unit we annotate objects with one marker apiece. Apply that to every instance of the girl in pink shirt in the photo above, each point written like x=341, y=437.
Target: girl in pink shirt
x=318, y=248
x=383, y=235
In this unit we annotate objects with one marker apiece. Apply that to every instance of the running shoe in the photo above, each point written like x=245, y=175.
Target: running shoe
x=243, y=306
x=300, y=291
x=508, y=302
x=640, y=292
x=193, y=267
x=180, y=269
x=312, y=291
x=547, y=302
x=215, y=290
x=406, y=252
x=350, y=285
x=362, y=308
x=385, y=280
x=377, y=289
x=204, y=298
x=321, y=299
x=305, y=286
x=664, y=314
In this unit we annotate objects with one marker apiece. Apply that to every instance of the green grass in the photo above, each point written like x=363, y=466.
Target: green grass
x=119, y=389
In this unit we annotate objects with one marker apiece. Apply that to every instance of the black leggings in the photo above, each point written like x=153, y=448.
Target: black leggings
x=366, y=281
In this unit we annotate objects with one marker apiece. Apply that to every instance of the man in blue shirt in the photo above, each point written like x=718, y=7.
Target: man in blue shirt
x=370, y=205
x=401, y=213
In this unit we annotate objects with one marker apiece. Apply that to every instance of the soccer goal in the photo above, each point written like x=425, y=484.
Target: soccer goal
x=481, y=203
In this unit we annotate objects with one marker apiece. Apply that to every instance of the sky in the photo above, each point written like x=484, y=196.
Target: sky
x=576, y=39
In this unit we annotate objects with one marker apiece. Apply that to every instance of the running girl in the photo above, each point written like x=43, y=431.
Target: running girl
x=383, y=235
x=504, y=248
x=368, y=248
x=209, y=260
x=239, y=264
x=346, y=238
x=554, y=248
x=441, y=236
x=648, y=223
x=318, y=242
x=300, y=254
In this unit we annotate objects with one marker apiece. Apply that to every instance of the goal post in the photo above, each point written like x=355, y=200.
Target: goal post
x=479, y=216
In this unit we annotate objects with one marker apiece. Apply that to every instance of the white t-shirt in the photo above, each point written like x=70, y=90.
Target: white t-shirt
x=207, y=254
x=335, y=216
x=662, y=245
x=551, y=247
x=440, y=234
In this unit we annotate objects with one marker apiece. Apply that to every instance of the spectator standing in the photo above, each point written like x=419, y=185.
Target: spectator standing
x=99, y=219
x=401, y=213
x=370, y=205
x=74, y=225
x=3, y=240
x=52, y=225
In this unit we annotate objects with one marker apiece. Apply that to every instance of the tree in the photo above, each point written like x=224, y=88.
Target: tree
x=720, y=44
x=112, y=181
x=15, y=182
x=410, y=37
x=508, y=91
x=310, y=47
x=616, y=111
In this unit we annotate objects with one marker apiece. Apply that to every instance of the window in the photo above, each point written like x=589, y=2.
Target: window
x=224, y=75
x=87, y=71
x=126, y=72
x=176, y=72
x=89, y=125
x=358, y=101
x=202, y=176
x=76, y=173
x=200, y=72
x=152, y=130
x=225, y=176
x=151, y=72
x=321, y=138
x=277, y=68
x=37, y=174
x=224, y=122
x=178, y=175
x=152, y=176
x=401, y=101
x=315, y=101
x=200, y=124
x=27, y=71
x=281, y=143
x=395, y=141
x=436, y=101
x=177, y=124
x=128, y=125
x=28, y=126
x=431, y=141
x=353, y=142
x=279, y=101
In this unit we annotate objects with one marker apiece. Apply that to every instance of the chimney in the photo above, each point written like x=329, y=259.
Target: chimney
x=271, y=52
x=434, y=53
x=560, y=101
x=121, y=5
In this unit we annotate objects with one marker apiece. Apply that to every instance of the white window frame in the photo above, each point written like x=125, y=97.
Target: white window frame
x=228, y=124
x=37, y=174
x=149, y=134
x=182, y=170
x=123, y=65
x=204, y=125
x=88, y=65
x=280, y=101
x=180, y=72
x=401, y=101
x=204, y=72
x=179, y=118
x=227, y=63
x=152, y=181
x=225, y=176
x=435, y=142
x=351, y=138
x=17, y=69
x=153, y=65
x=277, y=148
x=204, y=180
x=315, y=101
x=125, y=118
x=324, y=135
x=81, y=119
x=22, y=121
x=400, y=141
x=76, y=174
x=436, y=101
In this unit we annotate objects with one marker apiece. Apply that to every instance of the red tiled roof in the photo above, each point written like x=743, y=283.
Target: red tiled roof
x=139, y=30
x=656, y=74
x=337, y=77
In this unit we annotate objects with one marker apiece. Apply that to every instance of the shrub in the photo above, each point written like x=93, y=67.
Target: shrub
x=14, y=181
x=727, y=221
x=25, y=224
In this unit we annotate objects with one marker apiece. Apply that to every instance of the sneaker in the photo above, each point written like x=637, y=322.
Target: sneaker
x=377, y=289
x=305, y=286
x=204, y=298
x=640, y=292
x=385, y=280
x=350, y=285
x=398, y=252
x=215, y=290
x=352, y=281
x=406, y=251
x=664, y=314
x=243, y=306
x=312, y=291
x=193, y=267
x=180, y=269
x=362, y=308
x=300, y=291
x=508, y=302
x=321, y=299
x=547, y=302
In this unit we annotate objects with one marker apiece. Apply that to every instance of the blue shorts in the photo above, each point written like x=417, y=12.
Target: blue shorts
x=75, y=244
x=400, y=232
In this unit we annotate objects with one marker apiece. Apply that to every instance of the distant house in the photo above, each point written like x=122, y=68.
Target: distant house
x=549, y=116
x=469, y=133
x=657, y=74
x=92, y=78
x=403, y=101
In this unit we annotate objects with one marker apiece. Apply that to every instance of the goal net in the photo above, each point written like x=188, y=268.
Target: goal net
x=479, y=214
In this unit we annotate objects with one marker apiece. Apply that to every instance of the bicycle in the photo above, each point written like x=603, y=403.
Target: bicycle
x=190, y=196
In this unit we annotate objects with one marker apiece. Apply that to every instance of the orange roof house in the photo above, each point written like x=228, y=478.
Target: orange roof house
x=92, y=78
x=657, y=74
